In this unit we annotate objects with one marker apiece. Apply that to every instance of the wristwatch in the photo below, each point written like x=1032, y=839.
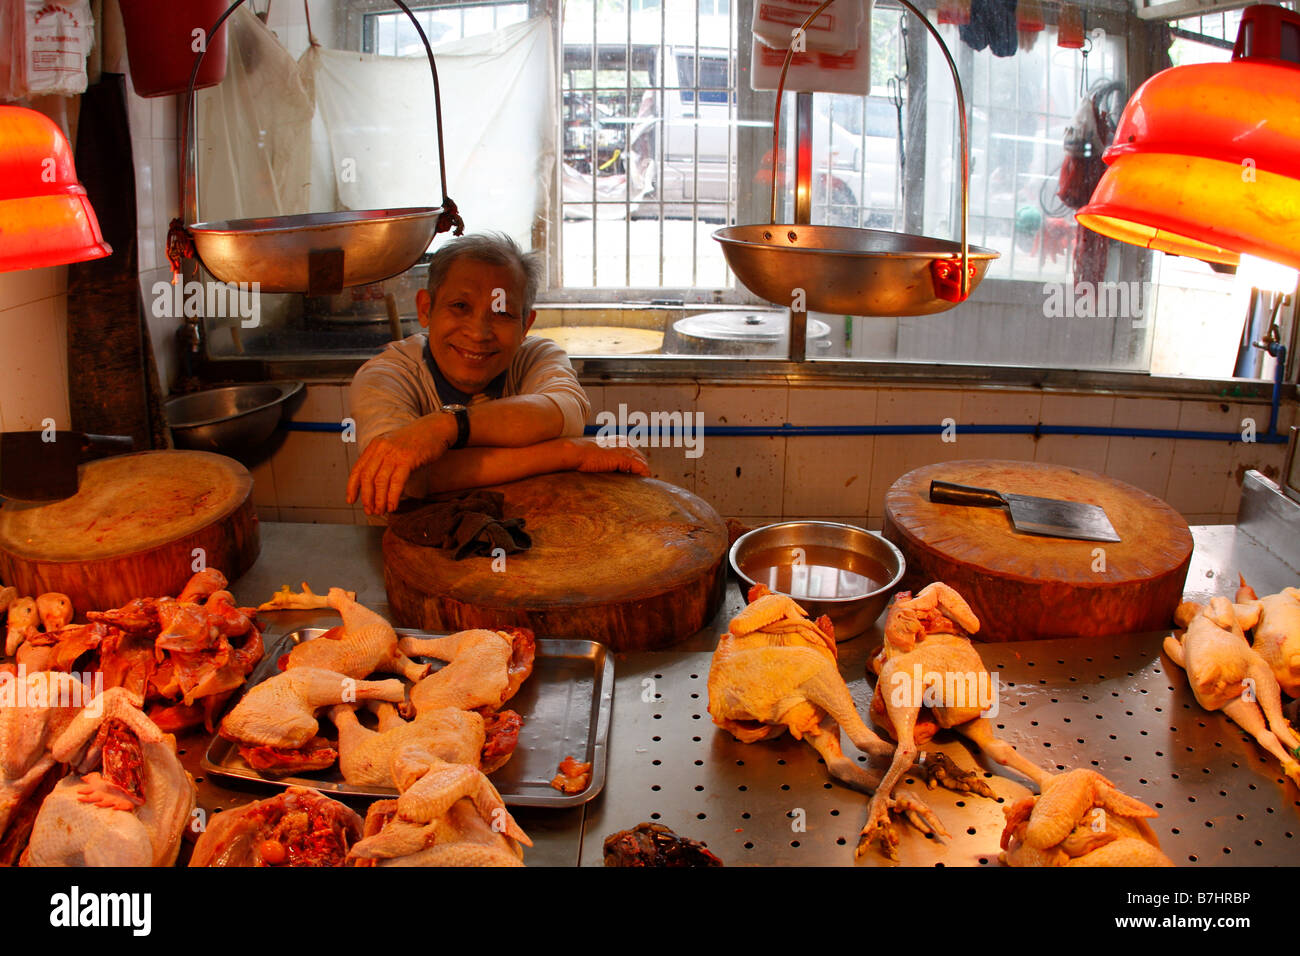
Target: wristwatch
x=462, y=424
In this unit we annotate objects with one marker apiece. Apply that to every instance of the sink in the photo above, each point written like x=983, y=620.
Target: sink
x=233, y=420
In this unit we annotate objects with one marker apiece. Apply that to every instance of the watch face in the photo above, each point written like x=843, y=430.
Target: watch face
x=453, y=408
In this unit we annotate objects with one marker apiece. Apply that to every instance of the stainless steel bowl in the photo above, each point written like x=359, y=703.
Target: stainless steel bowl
x=233, y=420
x=843, y=270
x=376, y=244
x=851, y=615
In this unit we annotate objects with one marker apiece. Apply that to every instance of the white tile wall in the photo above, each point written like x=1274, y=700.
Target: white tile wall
x=846, y=477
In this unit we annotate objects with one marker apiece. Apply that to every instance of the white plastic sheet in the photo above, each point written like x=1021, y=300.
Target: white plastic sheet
x=498, y=104
x=255, y=155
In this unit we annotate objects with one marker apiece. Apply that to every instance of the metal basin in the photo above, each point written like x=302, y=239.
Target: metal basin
x=844, y=270
x=233, y=420
x=851, y=615
x=376, y=244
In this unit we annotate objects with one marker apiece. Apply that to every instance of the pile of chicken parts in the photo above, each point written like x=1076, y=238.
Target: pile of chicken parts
x=183, y=656
x=434, y=747
x=776, y=671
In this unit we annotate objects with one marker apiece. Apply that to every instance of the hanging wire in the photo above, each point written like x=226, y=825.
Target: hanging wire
x=311, y=37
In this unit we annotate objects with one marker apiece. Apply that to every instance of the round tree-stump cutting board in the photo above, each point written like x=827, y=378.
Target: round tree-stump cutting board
x=132, y=529
x=631, y=562
x=1026, y=587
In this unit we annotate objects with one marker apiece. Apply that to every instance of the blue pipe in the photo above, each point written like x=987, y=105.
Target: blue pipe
x=1268, y=437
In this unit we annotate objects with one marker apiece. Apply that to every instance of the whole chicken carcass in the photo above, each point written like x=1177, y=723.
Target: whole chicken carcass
x=38, y=708
x=1277, y=634
x=300, y=827
x=1226, y=674
x=1080, y=819
x=448, y=815
x=128, y=799
x=281, y=711
x=484, y=670
x=366, y=643
x=927, y=656
x=775, y=670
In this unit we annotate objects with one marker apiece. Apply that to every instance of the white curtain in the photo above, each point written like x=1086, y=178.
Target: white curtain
x=376, y=114
x=372, y=143
x=254, y=155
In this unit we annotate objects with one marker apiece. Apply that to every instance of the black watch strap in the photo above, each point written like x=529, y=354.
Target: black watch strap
x=462, y=424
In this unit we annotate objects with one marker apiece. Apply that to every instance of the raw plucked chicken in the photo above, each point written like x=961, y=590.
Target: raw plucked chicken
x=42, y=708
x=448, y=815
x=1277, y=633
x=281, y=711
x=366, y=643
x=775, y=670
x=366, y=756
x=1226, y=674
x=1080, y=819
x=128, y=799
x=927, y=656
x=484, y=668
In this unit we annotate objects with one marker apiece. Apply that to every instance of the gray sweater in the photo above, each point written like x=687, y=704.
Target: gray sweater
x=395, y=387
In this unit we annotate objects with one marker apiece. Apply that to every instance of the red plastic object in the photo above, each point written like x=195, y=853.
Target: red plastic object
x=1268, y=33
x=947, y=279
x=161, y=44
x=45, y=217
x=1206, y=157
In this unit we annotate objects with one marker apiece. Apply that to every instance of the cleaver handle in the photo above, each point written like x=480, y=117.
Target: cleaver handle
x=947, y=493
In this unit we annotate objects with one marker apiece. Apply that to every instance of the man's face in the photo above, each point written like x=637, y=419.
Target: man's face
x=475, y=326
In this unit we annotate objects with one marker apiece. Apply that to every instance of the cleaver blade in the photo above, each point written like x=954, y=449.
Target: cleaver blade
x=1050, y=517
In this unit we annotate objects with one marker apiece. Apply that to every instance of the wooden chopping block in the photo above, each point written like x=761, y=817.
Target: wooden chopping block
x=132, y=529
x=1027, y=587
x=631, y=562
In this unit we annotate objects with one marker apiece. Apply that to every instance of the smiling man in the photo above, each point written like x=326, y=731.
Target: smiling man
x=473, y=401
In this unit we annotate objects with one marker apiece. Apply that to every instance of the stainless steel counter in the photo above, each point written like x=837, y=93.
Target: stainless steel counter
x=1117, y=705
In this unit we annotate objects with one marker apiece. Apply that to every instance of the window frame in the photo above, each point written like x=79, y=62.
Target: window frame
x=753, y=142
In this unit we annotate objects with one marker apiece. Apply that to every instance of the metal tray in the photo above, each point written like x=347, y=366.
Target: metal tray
x=565, y=704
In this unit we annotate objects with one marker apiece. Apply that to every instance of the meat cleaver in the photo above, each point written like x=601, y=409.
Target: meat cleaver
x=1043, y=516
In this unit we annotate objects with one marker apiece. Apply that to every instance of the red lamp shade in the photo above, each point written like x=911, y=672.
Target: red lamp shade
x=45, y=217
x=1206, y=158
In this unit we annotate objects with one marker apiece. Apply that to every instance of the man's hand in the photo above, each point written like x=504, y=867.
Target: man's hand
x=609, y=455
x=380, y=475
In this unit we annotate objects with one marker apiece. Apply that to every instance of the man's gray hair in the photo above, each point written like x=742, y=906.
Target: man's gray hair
x=494, y=248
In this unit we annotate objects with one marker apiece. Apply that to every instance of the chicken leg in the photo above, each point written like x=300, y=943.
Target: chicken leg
x=281, y=711
x=366, y=643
